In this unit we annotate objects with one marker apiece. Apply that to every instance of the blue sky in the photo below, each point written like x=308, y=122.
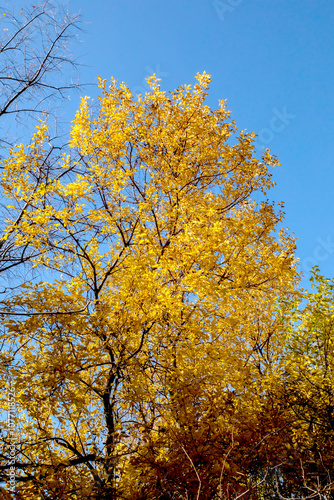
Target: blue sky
x=272, y=60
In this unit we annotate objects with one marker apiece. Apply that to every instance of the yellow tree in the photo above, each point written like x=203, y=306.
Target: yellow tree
x=304, y=380
x=160, y=275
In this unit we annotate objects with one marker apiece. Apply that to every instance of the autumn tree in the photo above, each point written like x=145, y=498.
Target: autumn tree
x=37, y=74
x=305, y=377
x=157, y=305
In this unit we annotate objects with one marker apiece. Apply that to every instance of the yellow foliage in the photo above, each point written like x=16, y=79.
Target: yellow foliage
x=160, y=275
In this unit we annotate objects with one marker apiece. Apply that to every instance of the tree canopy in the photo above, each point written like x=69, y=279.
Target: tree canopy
x=150, y=354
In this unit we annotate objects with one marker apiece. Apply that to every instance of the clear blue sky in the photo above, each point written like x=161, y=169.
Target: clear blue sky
x=273, y=60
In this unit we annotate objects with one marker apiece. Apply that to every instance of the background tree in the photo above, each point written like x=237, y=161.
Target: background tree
x=37, y=73
x=307, y=391
x=153, y=235
x=37, y=68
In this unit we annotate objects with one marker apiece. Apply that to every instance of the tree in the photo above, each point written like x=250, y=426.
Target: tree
x=158, y=300
x=37, y=70
x=306, y=386
x=36, y=66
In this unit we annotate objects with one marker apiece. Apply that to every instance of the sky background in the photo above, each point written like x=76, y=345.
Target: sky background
x=272, y=60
